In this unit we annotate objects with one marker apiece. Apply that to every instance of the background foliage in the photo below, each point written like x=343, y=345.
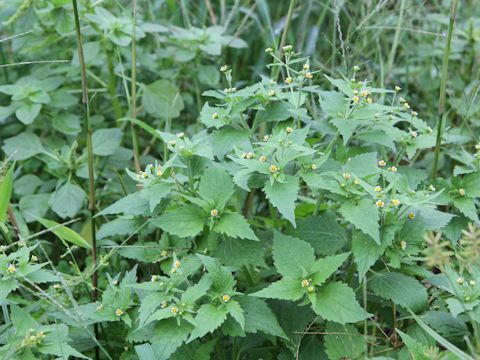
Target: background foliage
x=247, y=180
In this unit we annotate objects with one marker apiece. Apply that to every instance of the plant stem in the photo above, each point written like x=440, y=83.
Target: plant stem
x=91, y=174
x=283, y=40
x=112, y=86
x=443, y=87
x=396, y=38
x=133, y=97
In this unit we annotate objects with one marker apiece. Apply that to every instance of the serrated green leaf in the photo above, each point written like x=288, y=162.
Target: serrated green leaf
x=259, y=317
x=284, y=289
x=184, y=222
x=343, y=341
x=326, y=266
x=6, y=187
x=336, y=302
x=283, y=196
x=216, y=185
x=209, y=317
x=403, y=290
x=234, y=225
x=292, y=256
x=364, y=216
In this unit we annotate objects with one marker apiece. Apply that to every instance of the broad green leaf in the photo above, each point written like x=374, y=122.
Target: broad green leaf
x=418, y=350
x=234, y=310
x=292, y=257
x=162, y=99
x=67, y=200
x=234, y=225
x=403, y=290
x=467, y=207
x=106, y=141
x=259, y=317
x=132, y=204
x=323, y=232
x=284, y=289
x=326, y=266
x=283, y=196
x=184, y=222
x=64, y=233
x=5, y=193
x=7, y=286
x=343, y=341
x=238, y=253
x=216, y=185
x=27, y=113
x=365, y=252
x=34, y=206
x=336, y=302
x=209, y=317
x=362, y=165
x=363, y=215
x=23, y=146
x=154, y=193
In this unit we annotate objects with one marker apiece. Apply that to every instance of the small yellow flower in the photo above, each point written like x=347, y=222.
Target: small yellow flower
x=180, y=135
x=346, y=175
x=429, y=129
x=224, y=68
x=306, y=66
x=356, y=68
x=262, y=159
x=356, y=99
x=364, y=93
x=395, y=202
x=34, y=258
x=289, y=130
x=414, y=113
x=287, y=48
x=414, y=134
x=11, y=268
x=308, y=75
x=432, y=188
x=411, y=215
x=356, y=182
x=369, y=100
x=119, y=312
x=380, y=203
x=311, y=289
x=215, y=116
x=214, y=212
x=382, y=163
x=289, y=80
x=250, y=155
x=271, y=93
x=153, y=278
x=144, y=175
x=174, y=310
x=461, y=192
x=460, y=281
x=472, y=283
x=177, y=264
x=173, y=142
x=163, y=305
x=226, y=298
x=313, y=166
x=268, y=50
x=265, y=138
x=392, y=169
x=56, y=286
x=397, y=88
x=378, y=188
x=273, y=168
x=244, y=155
x=355, y=92
x=406, y=105
x=403, y=245
x=477, y=147
x=402, y=100
x=305, y=283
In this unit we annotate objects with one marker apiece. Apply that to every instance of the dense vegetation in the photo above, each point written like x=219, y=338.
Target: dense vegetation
x=243, y=179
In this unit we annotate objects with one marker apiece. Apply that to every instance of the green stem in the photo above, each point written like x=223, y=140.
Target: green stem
x=393, y=51
x=91, y=174
x=112, y=86
x=283, y=40
x=133, y=97
x=443, y=87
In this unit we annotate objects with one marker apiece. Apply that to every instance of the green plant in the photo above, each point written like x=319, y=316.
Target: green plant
x=268, y=203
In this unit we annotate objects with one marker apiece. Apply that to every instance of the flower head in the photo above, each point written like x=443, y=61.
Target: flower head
x=411, y=215
x=414, y=113
x=406, y=105
x=215, y=116
x=214, y=212
x=313, y=166
x=180, y=135
x=33, y=258
x=369, y=100
x=395, y=202
x=11, y=268
x=225, y=298
x=461, y=191
x=306, y=66
x=378, y=188
x=356, y=99
x=174, y=310
x=311, y=288
x=287, y=48
x=273, y=168
x=392, y=169
x=250, y=155
x=173, y=142
x=288, y=80
x=289, y=130
x=356, y=68
x=460, y=281
x=224, y=68
x=262, y=158
x=382, y=163
x=379, y=203
x=346, y=175
x=397, y=88
x=305, y=283
x=403, y=245
x=364, y=93
x=119, y=312
x=265, y=138
x=308, y=75
x=271, y=93
x=472, y=283
x=414, y=134
x=268, y=50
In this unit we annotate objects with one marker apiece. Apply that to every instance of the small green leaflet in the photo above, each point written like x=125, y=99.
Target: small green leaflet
x=64, y=233
x=235, y=225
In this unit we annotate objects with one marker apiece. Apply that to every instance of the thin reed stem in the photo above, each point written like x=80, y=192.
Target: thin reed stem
x=133, y=96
